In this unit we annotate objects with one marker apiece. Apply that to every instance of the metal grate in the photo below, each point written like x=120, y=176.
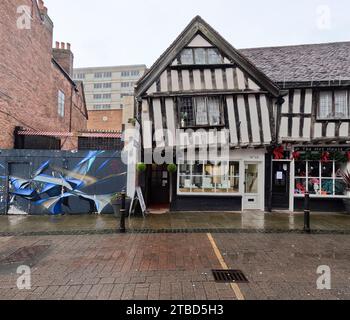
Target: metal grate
x=226, y=276
x=25, y=254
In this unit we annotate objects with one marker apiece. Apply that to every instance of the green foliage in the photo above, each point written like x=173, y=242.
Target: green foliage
x=172, y=168
x=141, y=167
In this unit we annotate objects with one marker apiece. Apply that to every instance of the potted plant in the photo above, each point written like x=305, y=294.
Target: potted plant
x=116, y=202
x=346, y=178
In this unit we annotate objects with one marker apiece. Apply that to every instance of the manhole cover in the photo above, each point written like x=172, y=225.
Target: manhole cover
x=229, y=276
x=25, y=254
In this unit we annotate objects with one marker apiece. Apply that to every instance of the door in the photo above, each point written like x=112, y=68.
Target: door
x=159, y=185
x=280, y=185
x=251, y=187
x=17, y=204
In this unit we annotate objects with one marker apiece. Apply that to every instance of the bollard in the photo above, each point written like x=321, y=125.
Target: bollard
x=122, y=228
x=307, y=213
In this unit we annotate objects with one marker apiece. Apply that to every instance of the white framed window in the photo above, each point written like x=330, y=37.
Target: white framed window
x=135, y=73
x=79, y=76
x=102, y=107
x=97, y=85
x=98, y=75
x=125, y=84
x=61, y=100
x=200, y=111
x=319, y=178
x=125, y=73
x=203, y=178
x=334, y=105
x=201, y=56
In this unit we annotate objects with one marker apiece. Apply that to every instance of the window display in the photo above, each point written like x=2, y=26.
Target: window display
x=209, y=178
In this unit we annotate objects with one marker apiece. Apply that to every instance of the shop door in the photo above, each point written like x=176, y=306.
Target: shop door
x=159, y=185
x=280, y=185
x=251, y=199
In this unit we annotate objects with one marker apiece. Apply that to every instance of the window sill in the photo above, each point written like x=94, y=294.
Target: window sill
x=221, y=126
x=333, y=120
x=321, y=197
x=203, y=194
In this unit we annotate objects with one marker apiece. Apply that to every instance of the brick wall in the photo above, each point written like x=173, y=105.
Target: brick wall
x=110, y=120
x=29, y=80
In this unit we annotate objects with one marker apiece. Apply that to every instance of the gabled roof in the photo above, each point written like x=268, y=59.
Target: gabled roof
x=199, y=26
x=310, y=62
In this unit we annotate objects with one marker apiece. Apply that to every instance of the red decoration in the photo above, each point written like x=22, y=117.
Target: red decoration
x=300, y=188
x=296, y=155
x=278, y=153
x=348, y=155
x=325, y=157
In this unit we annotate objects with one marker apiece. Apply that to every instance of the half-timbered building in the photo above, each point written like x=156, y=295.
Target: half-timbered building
x=263, y=121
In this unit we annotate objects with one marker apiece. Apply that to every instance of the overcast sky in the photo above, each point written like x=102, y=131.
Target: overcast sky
x=119, y=32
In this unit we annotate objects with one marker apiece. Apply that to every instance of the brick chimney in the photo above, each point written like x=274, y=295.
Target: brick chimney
x=64, y=56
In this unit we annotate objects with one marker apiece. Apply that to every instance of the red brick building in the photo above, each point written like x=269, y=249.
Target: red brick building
x=36, y=87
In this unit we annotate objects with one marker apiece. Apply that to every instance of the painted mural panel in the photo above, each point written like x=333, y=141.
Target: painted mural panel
x=61, y=182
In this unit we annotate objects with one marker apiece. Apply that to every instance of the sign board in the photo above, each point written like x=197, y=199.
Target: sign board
x=279, y=175
x=138, y=197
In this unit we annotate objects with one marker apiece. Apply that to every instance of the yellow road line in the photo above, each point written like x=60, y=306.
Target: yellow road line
x=234, y=286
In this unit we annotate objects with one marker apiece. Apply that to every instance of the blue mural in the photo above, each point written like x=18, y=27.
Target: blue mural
x=52, y=188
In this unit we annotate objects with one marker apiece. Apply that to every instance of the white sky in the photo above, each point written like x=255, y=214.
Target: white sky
x=119, y=32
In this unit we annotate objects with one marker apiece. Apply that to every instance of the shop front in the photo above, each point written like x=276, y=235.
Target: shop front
x=313, y=169
x=236, y=184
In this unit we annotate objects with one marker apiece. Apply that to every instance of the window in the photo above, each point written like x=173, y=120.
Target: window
x=126, y=84
x=125, y=73
x=333, y=105
x=319, y=178
x=97, y=85
x=201, y=56
x=135, y=73
x=100, y=75
x=102, y=107
x=126, y=95
x=97, y=96
x=200, y=111
x=79, y=76
x=209, y=178
x=107, y=96
x=61, y=98
x=107, y=85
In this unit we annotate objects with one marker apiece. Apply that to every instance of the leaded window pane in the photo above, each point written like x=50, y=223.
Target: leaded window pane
x=214, y=56
x=186, y=112
x=200, y=56
x=214, y=111
x=187, y=56
x=325, y=110
x=201, y=112
x=341, y=104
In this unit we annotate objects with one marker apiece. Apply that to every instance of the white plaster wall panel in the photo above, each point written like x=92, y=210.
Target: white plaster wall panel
x=295, y=127
x=164, y=82
x=146, y=125
x=175, y=80
x=197, y=80
x=243, y=119
x=158, y=123
x=254, y=119
x=265, y=119
x=219, y=79
x=208, y=80
x=344, y=129
x=331, y=130
x=186, y=80
x=318, y=130
x=308, y=101
x=241, y=79
x=307, y=128
x=229, y=77
x=232, y=120
x=170, y=118
x=297, y=101
x=199, y=41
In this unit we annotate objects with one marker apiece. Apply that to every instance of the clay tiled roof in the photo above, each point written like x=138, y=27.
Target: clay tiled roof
x=311, y=62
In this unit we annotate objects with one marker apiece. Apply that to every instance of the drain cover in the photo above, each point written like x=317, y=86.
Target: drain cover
x=226, y=276
x=25, y=254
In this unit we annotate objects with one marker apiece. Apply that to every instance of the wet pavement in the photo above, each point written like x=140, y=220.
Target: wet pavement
x=189, y=221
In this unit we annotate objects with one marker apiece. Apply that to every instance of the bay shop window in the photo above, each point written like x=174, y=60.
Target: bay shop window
x=319, y=178
x=209, y=178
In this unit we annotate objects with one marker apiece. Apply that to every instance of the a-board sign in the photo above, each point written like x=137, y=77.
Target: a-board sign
x=138, y=197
